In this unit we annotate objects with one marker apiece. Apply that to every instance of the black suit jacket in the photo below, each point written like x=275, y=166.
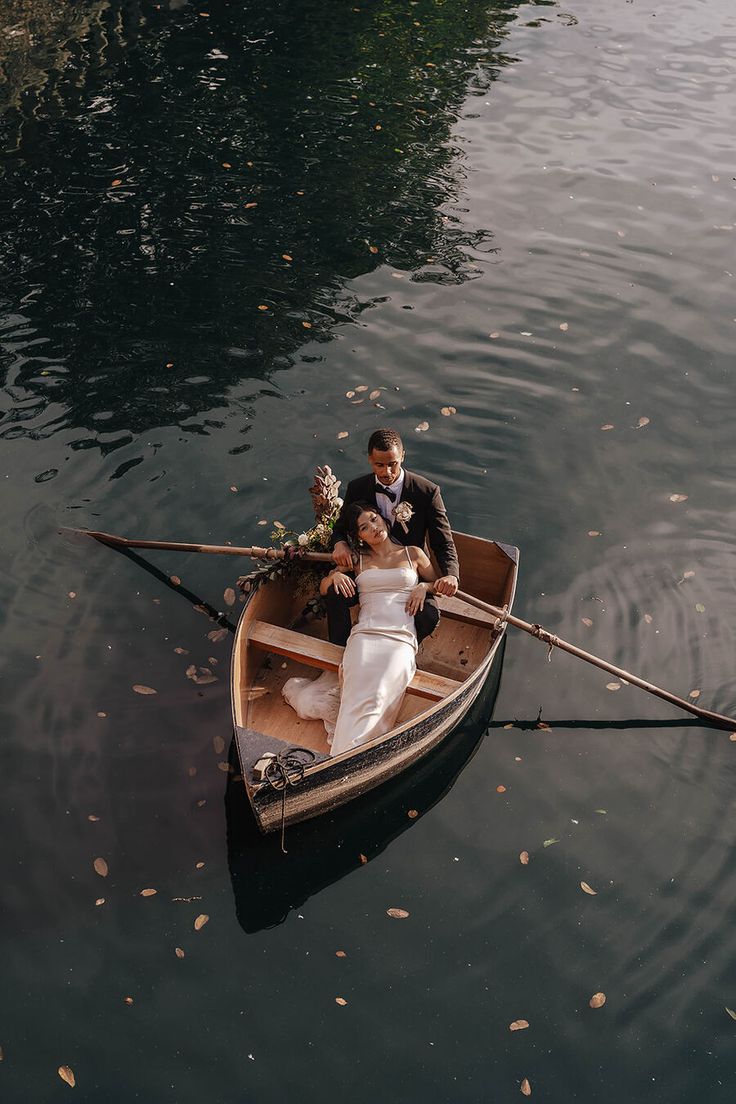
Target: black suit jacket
x=429, y=522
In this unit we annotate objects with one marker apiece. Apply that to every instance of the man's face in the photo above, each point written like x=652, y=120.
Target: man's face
x=386, y=465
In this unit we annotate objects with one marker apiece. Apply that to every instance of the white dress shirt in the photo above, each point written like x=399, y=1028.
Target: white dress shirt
x=384, y=503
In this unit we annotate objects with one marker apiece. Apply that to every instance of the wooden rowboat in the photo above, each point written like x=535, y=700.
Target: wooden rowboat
x=285, y=785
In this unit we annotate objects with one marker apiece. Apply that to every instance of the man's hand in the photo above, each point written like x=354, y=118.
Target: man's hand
x=448, y=585
x=343, y=556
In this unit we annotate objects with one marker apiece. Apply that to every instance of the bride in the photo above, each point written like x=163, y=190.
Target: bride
x=391, y=582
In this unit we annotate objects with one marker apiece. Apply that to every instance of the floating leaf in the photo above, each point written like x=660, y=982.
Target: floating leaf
x=448, y=411
x=263, y=306
x=678, y=498
x=286, y=257
x=72, y=594
x=607, y=426
x=216, y=635
x=518, y=1025
x=248, y=206
x=594, y=533
x=181, y=651
x=700, y=607
x=648, y=618
x=731, y=1012
x=144, y=689
x=201, y=920
x=234, y=489
x=349, y=394
x=524, y=858
x=363, y=859
x=340, y=954
x=613, y=686
x=732, y=736
x=225, y=767
x=218, y=744
x=564, y=327
x=341, y=1001
x=397, y=913
x=101, y=714
x=597, y=1000
x=175, y=580
x=694, y=694
x=587, y=889
x=500, y=789
x=342, y=435
x=689, y=575
x=128, y=1000
x=412, y=814
x=93, y=818
x=178, y=952
x=525, y=1087
x=198, y=866
x=494, y=335
x=67, y=1074
x=100, y=901
x=101, y=867
x=229, y=596
x=587, y=621
x=509, y=725
x=148, y=892
x=306, y=325
x=549, y=842
x=422, y=427
x=361, y=387
x=642, y=422
x=375, y=394
x=603, y=812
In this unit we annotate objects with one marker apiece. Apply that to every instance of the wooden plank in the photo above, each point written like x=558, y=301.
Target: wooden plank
x=320, y=653
x=458, y=610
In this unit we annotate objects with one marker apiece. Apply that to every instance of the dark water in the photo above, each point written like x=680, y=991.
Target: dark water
x=540, y=234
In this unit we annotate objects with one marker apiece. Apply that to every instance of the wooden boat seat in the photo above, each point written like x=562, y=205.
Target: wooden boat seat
x=320, y=653
x=457, y=610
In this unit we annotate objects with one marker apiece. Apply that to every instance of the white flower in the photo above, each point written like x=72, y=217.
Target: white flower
x=303, y=539
x=339, y=503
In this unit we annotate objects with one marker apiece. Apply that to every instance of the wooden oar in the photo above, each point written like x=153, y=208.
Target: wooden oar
x=553, y=641
x=179, y=546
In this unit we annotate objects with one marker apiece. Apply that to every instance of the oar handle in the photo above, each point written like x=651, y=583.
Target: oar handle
x=254, y=551
x=553, y=641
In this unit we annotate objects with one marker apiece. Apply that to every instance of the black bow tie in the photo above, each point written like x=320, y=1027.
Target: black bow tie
x=384, y=490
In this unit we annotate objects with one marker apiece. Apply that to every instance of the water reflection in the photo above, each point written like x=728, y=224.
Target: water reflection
x=268, y=885
x=191, y=195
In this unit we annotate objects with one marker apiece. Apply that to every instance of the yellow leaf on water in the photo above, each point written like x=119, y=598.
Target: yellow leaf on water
x=524, y=858
x=148, y=892
x=101, y=867
x=597, y=1000
x=397, y=913
x=67, y=1074
x=198, y=866
x=525, y=1087
x=251, y=204
x=144, y=689
x=229, y=596
x=201, y=920
x=518, y=1025
x=500, y=789
x=587, y=889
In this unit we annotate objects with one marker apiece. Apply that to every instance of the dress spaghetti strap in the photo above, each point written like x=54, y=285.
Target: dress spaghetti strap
x=411, y=565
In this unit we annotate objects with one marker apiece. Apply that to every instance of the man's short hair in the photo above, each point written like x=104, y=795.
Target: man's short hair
x=383, y=440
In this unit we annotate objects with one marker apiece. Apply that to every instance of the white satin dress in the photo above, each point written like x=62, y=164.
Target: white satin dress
x=380, y=656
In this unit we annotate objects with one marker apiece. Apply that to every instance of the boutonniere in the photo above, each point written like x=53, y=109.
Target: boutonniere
x=403, y=512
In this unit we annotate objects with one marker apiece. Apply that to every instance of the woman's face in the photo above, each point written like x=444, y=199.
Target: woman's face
x=371, y=528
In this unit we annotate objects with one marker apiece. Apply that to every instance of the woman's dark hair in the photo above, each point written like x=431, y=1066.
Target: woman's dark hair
x=352, y=513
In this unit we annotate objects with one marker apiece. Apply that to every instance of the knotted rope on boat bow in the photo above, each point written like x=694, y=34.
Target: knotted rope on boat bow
x=284, y=770
x=547, y=638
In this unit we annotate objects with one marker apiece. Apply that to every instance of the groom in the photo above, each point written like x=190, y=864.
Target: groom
x=425, y=519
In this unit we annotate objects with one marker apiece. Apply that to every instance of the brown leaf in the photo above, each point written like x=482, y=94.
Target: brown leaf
x=116, y=183
x=223, y=766
x=587, y=889
x=340, y=954
x=526, y=1088
x=363, y=859
x=694, y=694
x=500, y=789
x=648, y=618
x=178, y=952
x=144, y=689
x=286, y=257
x=148, y=892
x=229, y=596
x=509, y=725
x=642, y=422
x=341, y=1001
x=198, y=866
x=597, y=1000
x=362, y=387
x=422, y=427
x=201, y=920
x=251, y=204
x=342, y=435
x=218, y=744
x=101, y=867
x=564, y=327
x=216, y=635
x=181, y=651
x=373, y=248
x=412, y=814
x=607, y=426
x=732, y=737
x=349, y=394
x=376, y=394
x=678, y=498
x=128, y=1000
x=524, y=858
x=594, y=533
x=263, y=306
x=72, y=594
x=175, y=580
x=67, y=1074
x=518, y=1025
x=101, y=714
x=448, y=411
x=93, y=818
x=397, y=913
x=100, y=901
x=586, y=621
x=306, y=325
x=191, y=771
x=613, y=686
